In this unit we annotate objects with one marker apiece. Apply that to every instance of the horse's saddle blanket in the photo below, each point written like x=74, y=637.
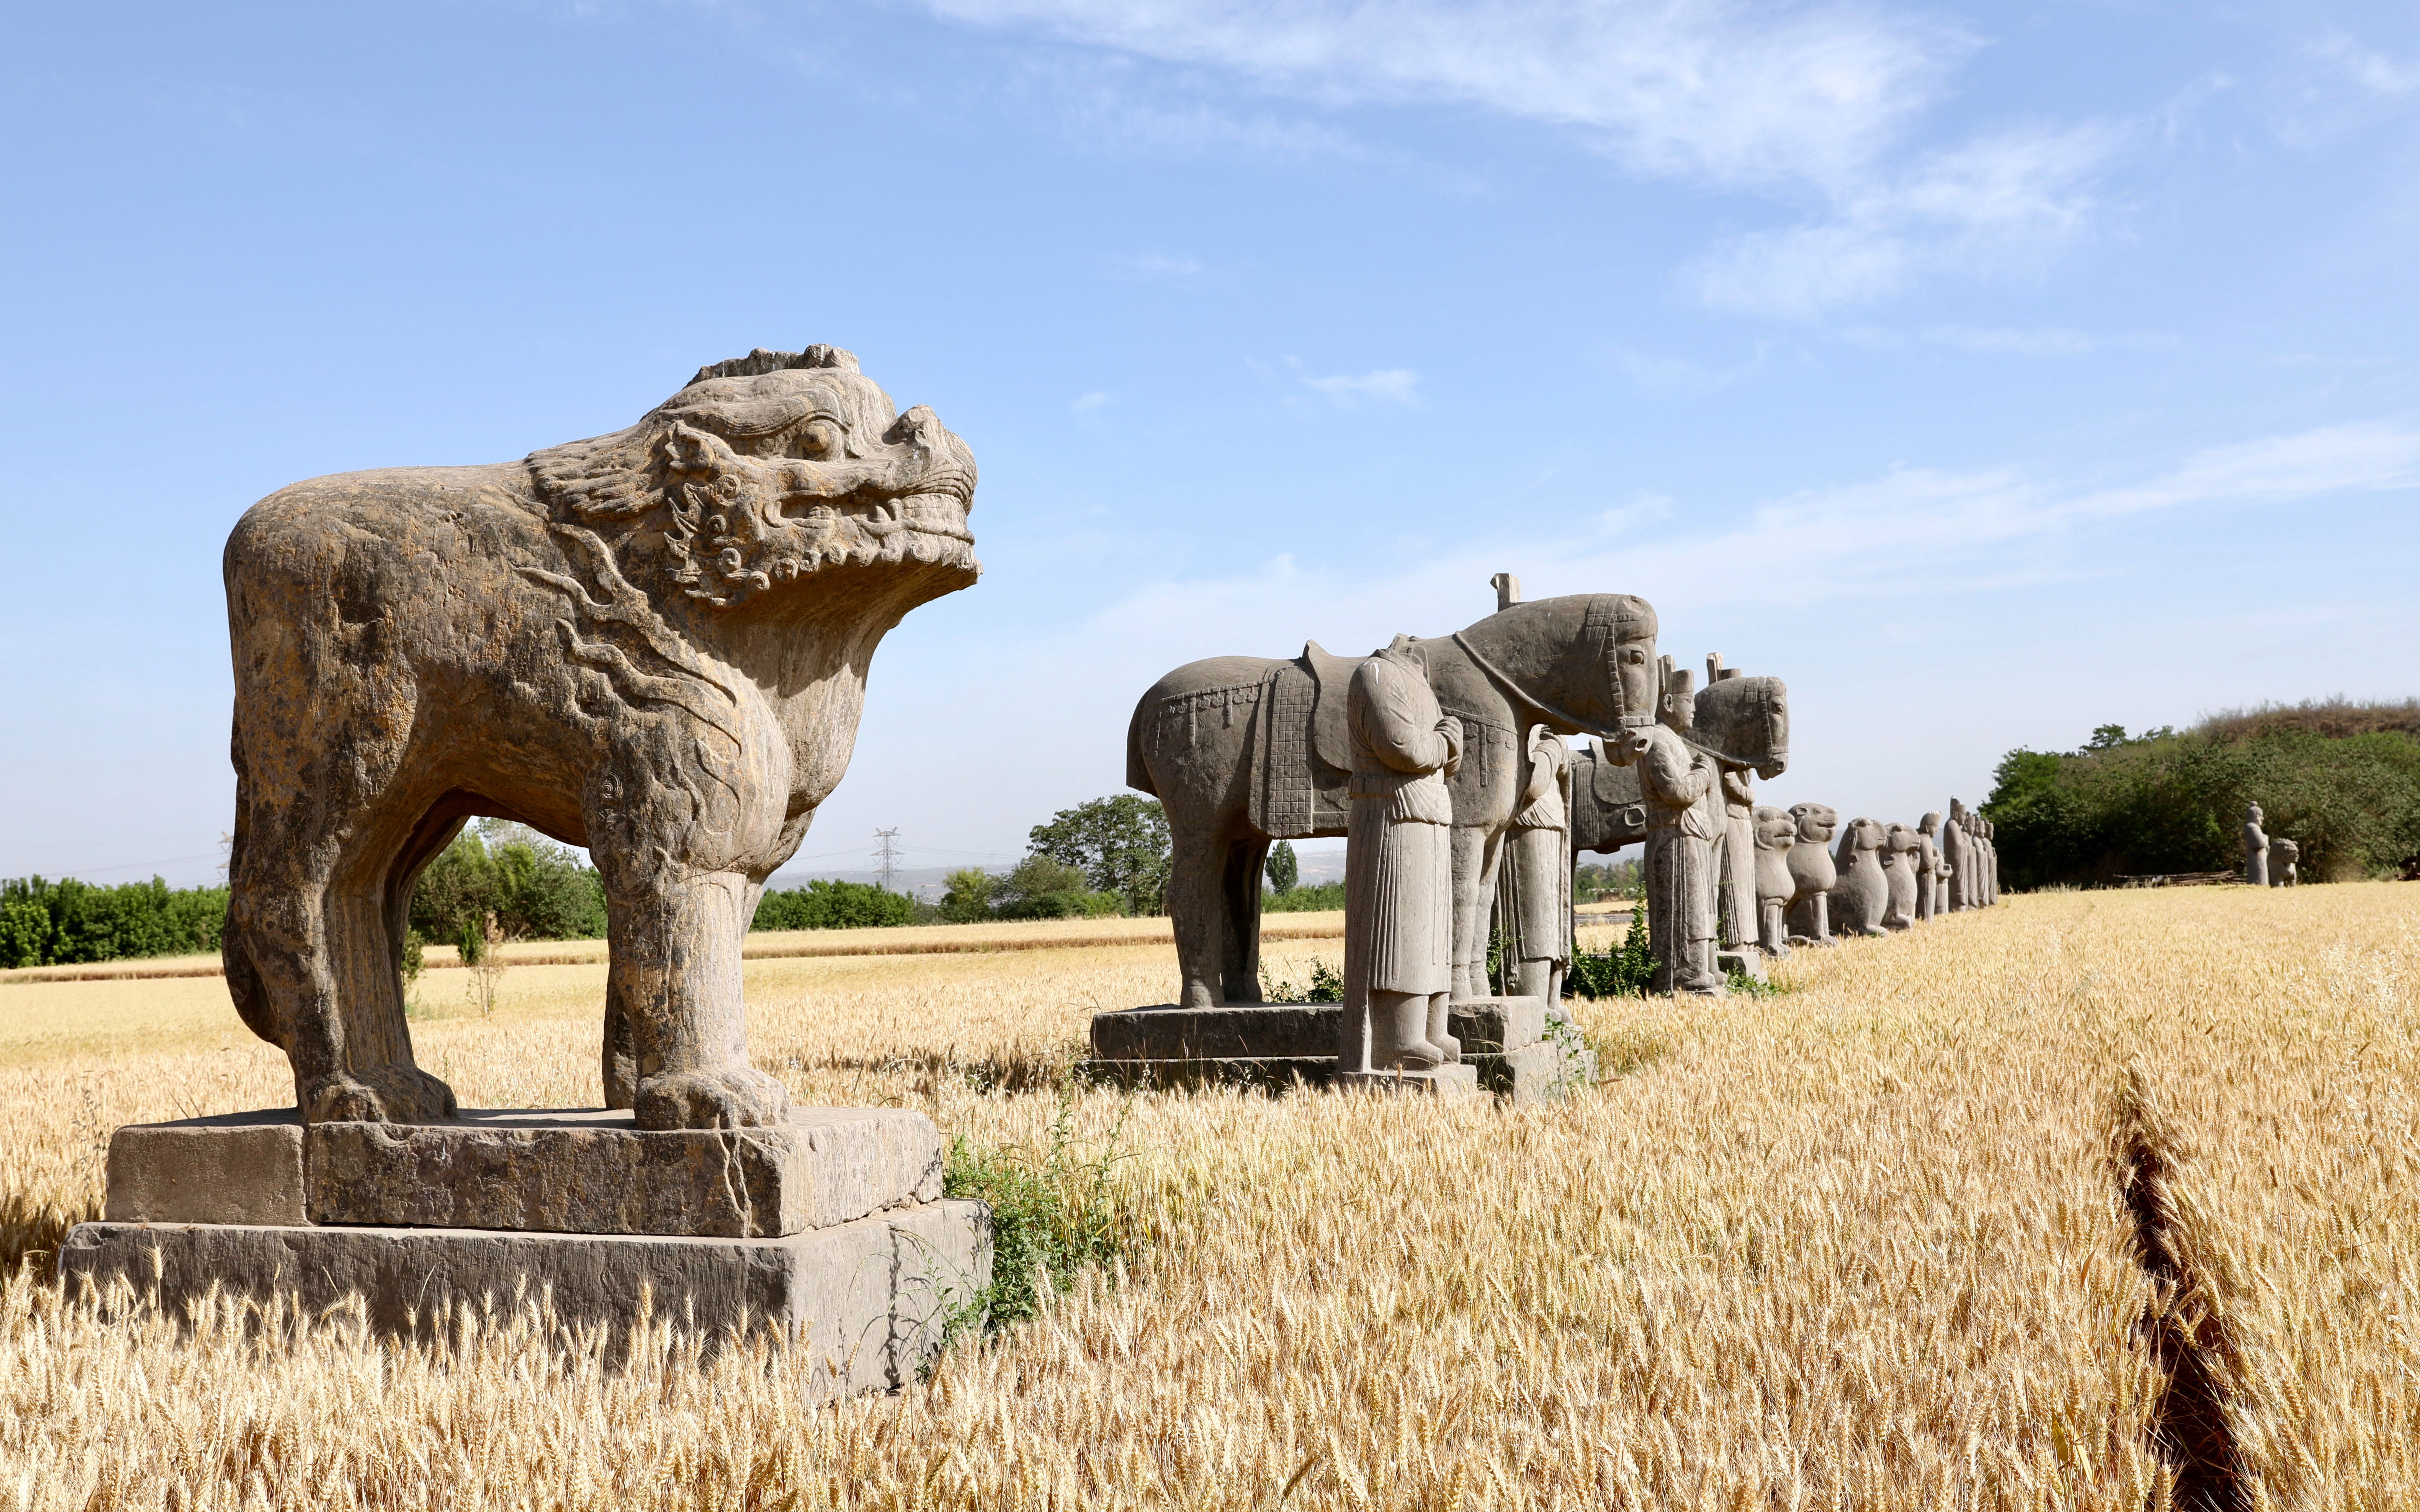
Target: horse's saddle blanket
x=1302, y=746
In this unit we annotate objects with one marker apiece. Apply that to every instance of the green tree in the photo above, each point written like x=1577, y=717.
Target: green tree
x=1283, y=869
x=1120, y=845
x=966, y=898
x=1044, y=887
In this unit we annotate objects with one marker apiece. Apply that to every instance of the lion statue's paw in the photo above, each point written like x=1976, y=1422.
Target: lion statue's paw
x=735, y=1099
x=382, y=1094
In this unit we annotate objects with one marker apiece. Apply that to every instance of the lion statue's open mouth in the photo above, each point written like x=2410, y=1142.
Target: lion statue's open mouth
x=771, y=467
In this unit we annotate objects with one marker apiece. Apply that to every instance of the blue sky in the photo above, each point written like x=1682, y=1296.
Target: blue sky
x=1989, y=373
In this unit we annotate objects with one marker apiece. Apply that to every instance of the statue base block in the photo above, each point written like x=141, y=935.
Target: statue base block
x=1458, y=1080
x=828, y=1229
x=871, y=1299
x=1276, y=1045
x=1746, y=961
x=566, y=1170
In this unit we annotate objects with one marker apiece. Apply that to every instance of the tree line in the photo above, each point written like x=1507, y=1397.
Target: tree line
x=2341, y=780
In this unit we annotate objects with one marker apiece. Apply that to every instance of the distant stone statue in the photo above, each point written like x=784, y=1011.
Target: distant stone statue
x=1398, y=870
x=1812, y=873
x=1862, y=895
x=652, y=644
x=1682, y=787
x=1245, y=750
x=1931, y=872
x=2283, y=871
x=1901, y=855
x=2256, y=848
x=1990, y=834
x=1534, y=896
x=1743, y=723
x=1960, y=858
x=1776, y=833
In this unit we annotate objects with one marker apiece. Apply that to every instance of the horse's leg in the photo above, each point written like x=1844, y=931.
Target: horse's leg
x=1241, y=890
x=1475, y=855
x=1197, y=906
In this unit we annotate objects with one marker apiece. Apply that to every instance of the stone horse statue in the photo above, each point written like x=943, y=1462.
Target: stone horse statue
x=1243, y=751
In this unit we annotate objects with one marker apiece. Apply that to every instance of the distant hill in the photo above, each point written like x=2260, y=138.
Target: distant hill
x=2339, y=779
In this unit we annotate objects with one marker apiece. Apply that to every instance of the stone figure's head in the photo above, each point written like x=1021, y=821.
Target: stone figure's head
x=1775, y=829
x=2252, y=813
x=1930, y=824
x=1862, y=835
x=1900, y=842
x=1816, y=823
x=767, y=469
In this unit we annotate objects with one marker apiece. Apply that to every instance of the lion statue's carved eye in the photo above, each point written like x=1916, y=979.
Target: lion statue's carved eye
x=818, y=438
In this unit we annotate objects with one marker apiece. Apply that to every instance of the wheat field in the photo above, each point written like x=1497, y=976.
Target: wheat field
x=1909, y=1233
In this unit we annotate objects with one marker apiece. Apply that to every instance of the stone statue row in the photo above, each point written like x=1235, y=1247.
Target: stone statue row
x=2268, y=863
x=1878, y=877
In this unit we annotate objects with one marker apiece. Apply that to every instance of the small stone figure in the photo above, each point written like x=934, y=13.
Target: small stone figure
x=1811, y=871
x=1682, y=789
x=1990, y=859
x=1862, y=895
x=2284, y=873
x=1958, y=855
x=1902, y=854
x=1398, y=870
x=1776, y=833
x=1534, y=904
x=1931, y=872
x=2256, y=848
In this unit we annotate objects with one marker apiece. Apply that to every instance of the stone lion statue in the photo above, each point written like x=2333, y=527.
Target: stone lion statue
x=653, y=643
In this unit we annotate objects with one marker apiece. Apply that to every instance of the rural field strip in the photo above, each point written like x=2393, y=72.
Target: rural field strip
x=2090, y=1200
x=768, y=945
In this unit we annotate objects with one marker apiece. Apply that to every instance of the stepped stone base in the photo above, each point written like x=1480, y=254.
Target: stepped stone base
x=1747, y=961
x=870, y=1299
x=828, y=1229
x=583, y=1171
x=1276, y=1045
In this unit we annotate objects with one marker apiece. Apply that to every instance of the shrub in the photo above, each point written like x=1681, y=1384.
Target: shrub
x=968, y=896
x=1317, y=897
x=70, y=922
x=532, y=888
x=1628, y=971
x=827, y=904
x=1050, y=1215
x=1326, y=986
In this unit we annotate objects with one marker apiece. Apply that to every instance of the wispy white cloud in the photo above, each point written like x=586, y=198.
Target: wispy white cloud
x=1153, y=265
x=2339, y=83
x=2381, y=73
x=1386, y=385
x=1992, y=204
x=1728, y=90
x=1084, y=404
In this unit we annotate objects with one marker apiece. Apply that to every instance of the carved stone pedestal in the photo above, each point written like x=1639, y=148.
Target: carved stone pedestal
x=829, y=1227
x=1505, y=1048
x=1459, y=1079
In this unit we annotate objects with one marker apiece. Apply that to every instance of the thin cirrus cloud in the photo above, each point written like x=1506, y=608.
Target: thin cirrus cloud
x=1706, y=89
x=1350, y=390
x=1765, y=96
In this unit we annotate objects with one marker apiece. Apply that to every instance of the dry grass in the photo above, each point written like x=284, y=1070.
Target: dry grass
x=1862, y=1244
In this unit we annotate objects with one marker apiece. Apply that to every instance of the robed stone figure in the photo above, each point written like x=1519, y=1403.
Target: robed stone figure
x=1682, y=787
x=1534, y=900
x=1398, y=870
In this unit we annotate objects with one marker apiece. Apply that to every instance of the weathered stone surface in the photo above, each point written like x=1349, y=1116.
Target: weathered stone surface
x=1493, y=1026
x=1245, y=750
x=1170, y=1032
x=1454, y=1079
x=1862, y=895
x=234, y=1168
x=869, y=1298
x=594, y=1172
x=1535, y=1073
x=652, y=643
x=1812, y=873
x=554, y=1170
x=1747, y=961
